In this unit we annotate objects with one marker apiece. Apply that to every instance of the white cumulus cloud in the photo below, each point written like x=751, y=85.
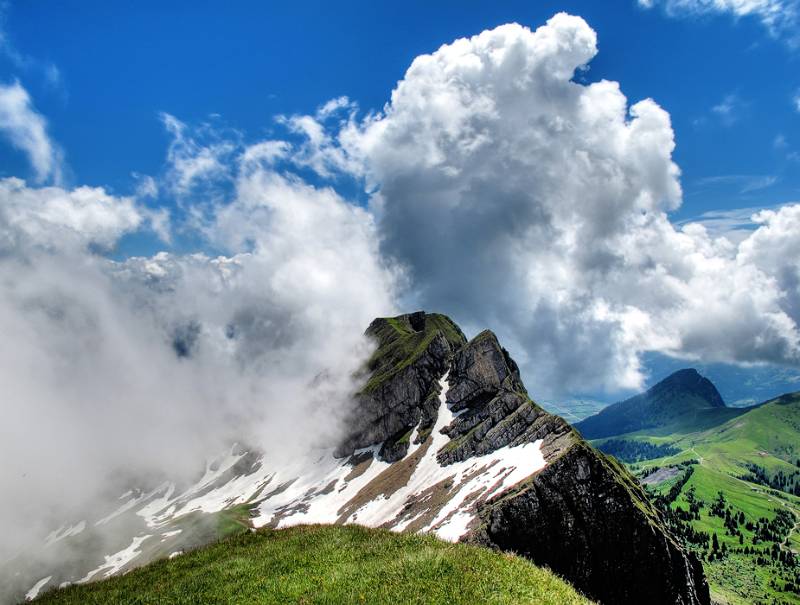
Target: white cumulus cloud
x=57, y=218
x=519, y=199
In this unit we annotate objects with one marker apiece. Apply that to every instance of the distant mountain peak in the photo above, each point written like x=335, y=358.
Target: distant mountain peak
x=679, y=398
x=689, y=380
x=683, y=374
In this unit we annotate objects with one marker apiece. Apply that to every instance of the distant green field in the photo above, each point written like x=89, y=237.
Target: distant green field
x=328, y=564
x=719, y=453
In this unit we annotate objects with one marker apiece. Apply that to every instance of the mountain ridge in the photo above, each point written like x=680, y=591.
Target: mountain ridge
x=443, y=439
x=492, y=410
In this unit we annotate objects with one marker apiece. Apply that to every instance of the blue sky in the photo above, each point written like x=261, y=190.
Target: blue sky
x=103, y=75
x=120, y=64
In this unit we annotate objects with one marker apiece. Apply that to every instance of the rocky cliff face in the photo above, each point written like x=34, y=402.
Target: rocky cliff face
x=585, y=518
x=413, y=352
x=493, y=406
x=582, y=515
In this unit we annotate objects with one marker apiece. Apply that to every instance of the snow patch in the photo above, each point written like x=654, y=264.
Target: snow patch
x=34, y=591
x=132, y=501
x=320, y=492
x=113, y=563
x=169, y=534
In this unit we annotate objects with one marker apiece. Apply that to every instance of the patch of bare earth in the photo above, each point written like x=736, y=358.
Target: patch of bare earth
x=423, y=508
x=385, y=484
x=661, y=475
x=360, y=465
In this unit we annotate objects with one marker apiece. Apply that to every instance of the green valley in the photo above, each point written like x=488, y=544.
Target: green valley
x=727, y=480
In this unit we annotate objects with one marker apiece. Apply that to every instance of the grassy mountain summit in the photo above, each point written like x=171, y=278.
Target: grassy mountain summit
x=683, y=398
x=329, y=564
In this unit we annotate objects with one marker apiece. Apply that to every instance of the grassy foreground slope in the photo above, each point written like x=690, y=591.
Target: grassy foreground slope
x=328, y=564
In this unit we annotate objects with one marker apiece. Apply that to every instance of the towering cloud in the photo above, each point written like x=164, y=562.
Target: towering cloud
x=520, y=198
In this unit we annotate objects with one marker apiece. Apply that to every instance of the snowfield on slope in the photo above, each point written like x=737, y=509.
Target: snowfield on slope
x=323, y=494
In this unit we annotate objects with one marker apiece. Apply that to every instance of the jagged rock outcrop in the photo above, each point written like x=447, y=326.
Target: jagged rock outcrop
x=582, y=515
x=402, y=392
x=493, y=405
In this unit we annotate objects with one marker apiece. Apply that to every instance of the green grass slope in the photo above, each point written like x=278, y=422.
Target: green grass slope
x=328, y=564
x=721, y=459
x=401, y=342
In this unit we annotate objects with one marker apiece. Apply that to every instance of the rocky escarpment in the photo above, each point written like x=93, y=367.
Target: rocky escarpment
x=582, y=515
x=413, y=352
x=493, y=407
x=586, y=518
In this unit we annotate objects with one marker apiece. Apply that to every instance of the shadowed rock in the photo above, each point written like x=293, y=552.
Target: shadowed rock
x=583, y=515
x=413, y=352
x=587, y=519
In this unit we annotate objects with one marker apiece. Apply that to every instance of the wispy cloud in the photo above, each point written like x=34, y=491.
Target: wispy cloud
x=745, y=183
x=146, y=186
x=729, y=109
x=782, y=146
x=779, y=17
x=195, y=159
x=26, y=129
x=734, y=224
x=22, y=62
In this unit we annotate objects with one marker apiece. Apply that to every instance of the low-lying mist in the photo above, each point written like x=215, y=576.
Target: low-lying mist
x=120, y=375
